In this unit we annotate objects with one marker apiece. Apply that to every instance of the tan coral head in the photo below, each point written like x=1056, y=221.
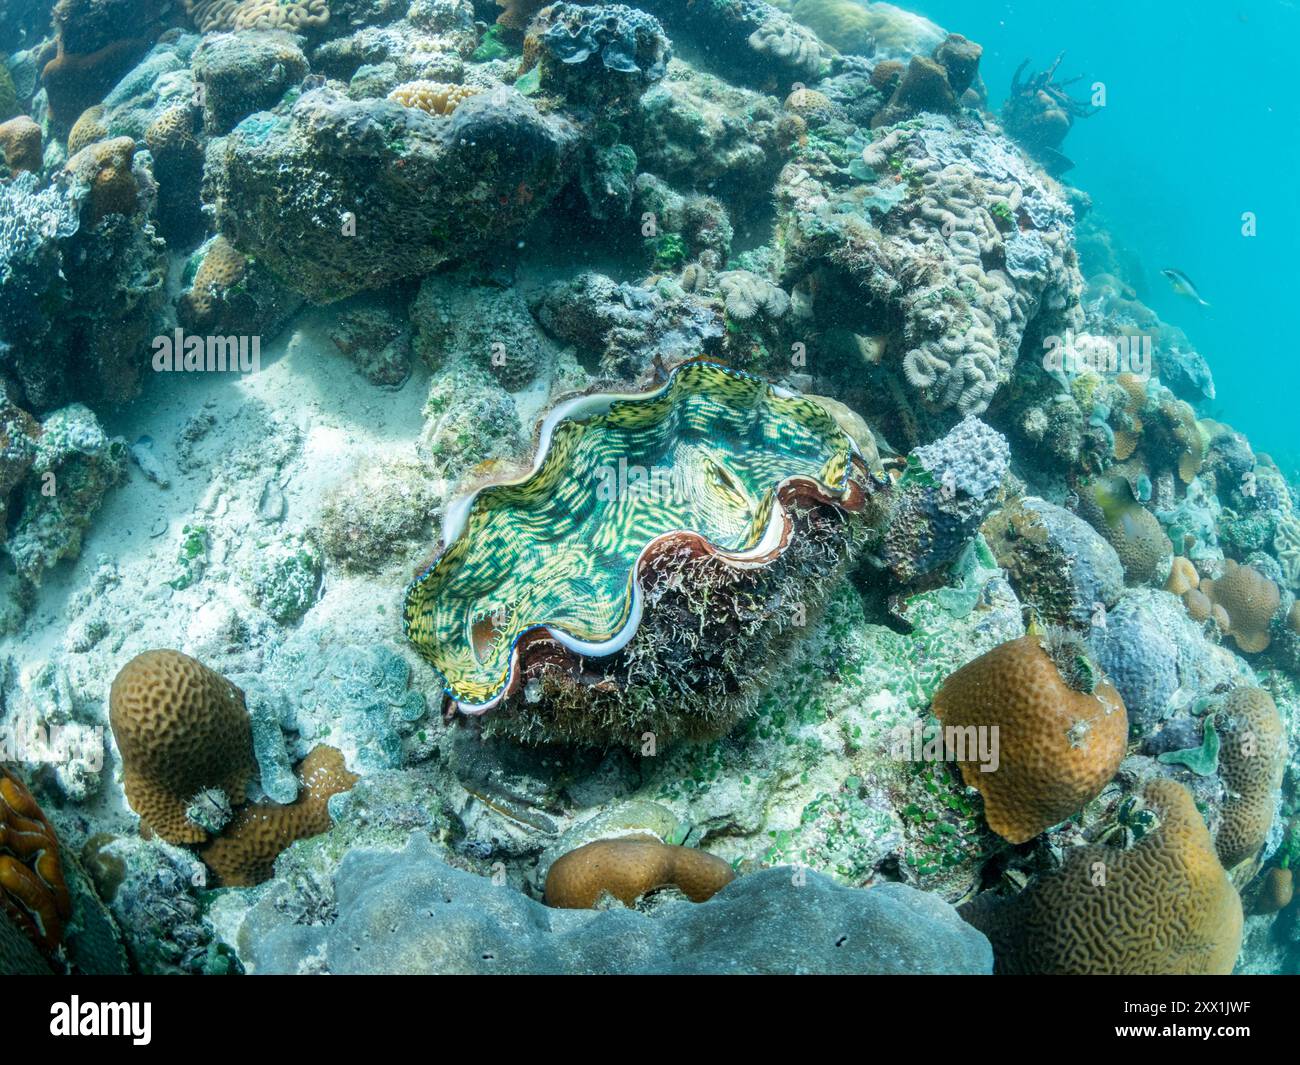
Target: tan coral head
x=630, y=867
x=181, y=729
x=1056, y=747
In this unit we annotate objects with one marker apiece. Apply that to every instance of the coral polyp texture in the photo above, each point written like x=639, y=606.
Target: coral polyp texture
x=1164, y=906
x=245, y=852
x=703, y=468
x=630, y=867
x=182, y=730
x=33, y=892
x=1253, y=759
x=1060, y=737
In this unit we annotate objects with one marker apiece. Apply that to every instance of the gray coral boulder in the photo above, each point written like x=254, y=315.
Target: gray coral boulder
x=409, y=912
x=337, y=195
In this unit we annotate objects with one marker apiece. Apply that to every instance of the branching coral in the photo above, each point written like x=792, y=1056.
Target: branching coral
x=1058, y=746
x=33, y=892
x=182, y=730
x=1164, y=906
x=630, y=867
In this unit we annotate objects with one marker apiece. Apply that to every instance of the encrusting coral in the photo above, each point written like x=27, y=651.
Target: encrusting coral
x=33, y=891
x=1060, y=740
x=1252, y=759
x=245, y=852
x=1164, y=906
x=182, y=730
x=630, y=867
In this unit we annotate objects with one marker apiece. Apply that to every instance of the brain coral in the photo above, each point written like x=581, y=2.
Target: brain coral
x=33, y=892
x=702, y=472
x=181, y=729
x=20, y=144
x=1249, y=599
x=212, y=16
x=245, y=852
x=1058, y=747
x=630, y=867
x=1165, y=906
x=1252, y=760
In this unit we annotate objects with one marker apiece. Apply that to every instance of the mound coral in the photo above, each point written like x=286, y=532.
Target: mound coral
x=222, y=268
x=1249, y=599
x=88, y=128
x=245, y=852
x=182, y=731
x=33, y=892
x=435, y=97
x=946, y=490
x=105, y=168
x=631, y=501
x=1164, y=906
x=1057, y=562
x=906, y=250
x=1058, y=746
x=630, y=867
x=20, y=144
x=1253, y=757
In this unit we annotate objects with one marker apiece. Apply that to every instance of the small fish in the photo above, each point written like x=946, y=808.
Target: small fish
x=1182, y=285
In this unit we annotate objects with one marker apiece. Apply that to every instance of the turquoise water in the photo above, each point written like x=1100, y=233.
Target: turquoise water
x=1200, y=125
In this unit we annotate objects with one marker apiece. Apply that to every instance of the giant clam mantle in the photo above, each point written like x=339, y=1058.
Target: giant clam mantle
x=646, y=569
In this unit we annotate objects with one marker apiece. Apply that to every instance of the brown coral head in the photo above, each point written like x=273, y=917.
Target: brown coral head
x=1253, y=758
x=181, y=729
x=1249, y=599
x=630, y=867
x=1163, y=906
x=33, y=892
x=1057, y=747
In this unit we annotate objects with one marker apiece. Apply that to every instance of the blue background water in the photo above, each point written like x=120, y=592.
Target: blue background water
x=1202, y=123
